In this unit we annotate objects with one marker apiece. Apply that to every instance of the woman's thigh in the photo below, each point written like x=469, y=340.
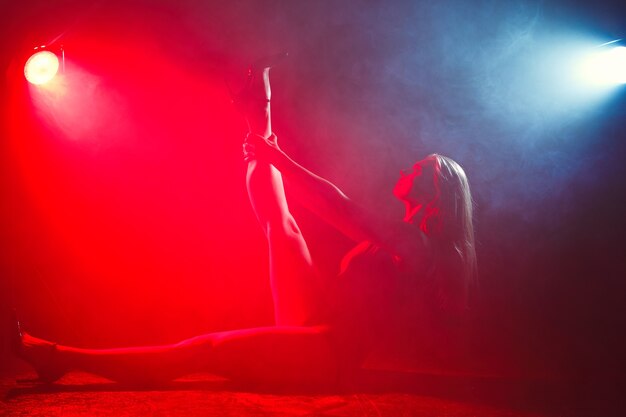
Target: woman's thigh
x=295, y=282
x=281, y=355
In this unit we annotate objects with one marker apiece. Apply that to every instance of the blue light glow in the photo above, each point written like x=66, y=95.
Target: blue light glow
x=605, y=67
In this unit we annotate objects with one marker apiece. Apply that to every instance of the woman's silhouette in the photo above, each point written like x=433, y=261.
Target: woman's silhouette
x=324, y=326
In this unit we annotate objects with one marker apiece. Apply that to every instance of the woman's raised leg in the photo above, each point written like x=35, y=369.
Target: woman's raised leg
x=294, y=280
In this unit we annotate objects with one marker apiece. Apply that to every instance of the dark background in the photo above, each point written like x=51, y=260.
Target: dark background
x=124, y=213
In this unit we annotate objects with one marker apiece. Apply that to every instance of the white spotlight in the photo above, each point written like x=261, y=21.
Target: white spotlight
x=605, y=67
x=43, y=65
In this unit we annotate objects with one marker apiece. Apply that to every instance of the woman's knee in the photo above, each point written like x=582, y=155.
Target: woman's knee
x=282, y=227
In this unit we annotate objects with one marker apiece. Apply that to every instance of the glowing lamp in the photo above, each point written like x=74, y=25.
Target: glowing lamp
x=606, y=67
x=41, y=67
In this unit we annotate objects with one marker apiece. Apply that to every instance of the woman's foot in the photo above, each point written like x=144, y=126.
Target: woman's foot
x=39, y=353
x=257, y=86
x=254, y=98
x=259, y=75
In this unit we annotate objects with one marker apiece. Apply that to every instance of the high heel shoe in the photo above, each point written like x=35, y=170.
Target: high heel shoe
x=43, y=357
x=258, y=73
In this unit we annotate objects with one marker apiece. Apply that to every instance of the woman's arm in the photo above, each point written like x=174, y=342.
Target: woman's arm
x=328, y=202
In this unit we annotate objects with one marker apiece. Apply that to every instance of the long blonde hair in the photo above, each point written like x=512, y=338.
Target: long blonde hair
x=448, y=222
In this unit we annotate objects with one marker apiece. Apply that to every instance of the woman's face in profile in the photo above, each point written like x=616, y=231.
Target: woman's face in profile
x=416, y=185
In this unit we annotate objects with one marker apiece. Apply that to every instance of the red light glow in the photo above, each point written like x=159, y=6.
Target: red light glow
x=41, y=67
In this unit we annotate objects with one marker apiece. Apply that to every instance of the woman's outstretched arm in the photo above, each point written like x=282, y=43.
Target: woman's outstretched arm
x=331, y=204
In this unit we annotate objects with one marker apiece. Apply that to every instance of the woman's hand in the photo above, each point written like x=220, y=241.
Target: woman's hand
x=256, y=147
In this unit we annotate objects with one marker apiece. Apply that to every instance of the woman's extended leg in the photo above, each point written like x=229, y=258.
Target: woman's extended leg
x=294, y=280
x=266, y=355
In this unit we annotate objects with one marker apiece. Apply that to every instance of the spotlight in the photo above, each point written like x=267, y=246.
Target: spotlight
x=43, y=65
x=606, y=66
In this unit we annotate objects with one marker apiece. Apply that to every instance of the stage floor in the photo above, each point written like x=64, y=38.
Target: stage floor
x=381, y=394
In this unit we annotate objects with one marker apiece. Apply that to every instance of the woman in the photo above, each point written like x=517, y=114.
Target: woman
x=324, y=328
